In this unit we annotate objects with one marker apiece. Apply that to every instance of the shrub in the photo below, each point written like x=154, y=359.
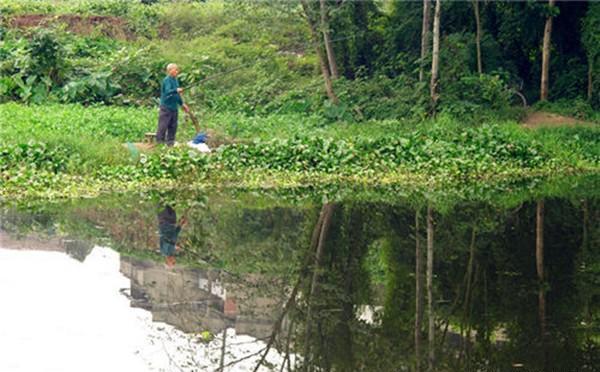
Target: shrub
x=34, y=155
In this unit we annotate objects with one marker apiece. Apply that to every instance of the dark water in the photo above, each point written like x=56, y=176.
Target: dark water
x=333, y=283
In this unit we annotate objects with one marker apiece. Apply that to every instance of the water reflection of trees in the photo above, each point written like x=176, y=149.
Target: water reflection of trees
x=496, y=303
x=506, y=289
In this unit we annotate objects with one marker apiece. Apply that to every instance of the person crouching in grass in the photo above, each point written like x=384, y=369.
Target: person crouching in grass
x=170, y=100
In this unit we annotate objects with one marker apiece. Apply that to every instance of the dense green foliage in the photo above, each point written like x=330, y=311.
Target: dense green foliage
x=88, y=71
x=68, y=144
x=259, y=58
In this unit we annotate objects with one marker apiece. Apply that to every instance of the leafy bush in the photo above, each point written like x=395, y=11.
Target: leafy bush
x=577, y=108
x=297, y=154
x=432, y=149
x=382, y=97
x=34, y=155
x=575, y=143
x=34, y=67
x=47, y=56
x=471, y=95
x=173, y=163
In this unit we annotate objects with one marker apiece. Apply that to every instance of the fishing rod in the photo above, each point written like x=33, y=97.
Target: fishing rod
x=227, y=72
x=211, y=77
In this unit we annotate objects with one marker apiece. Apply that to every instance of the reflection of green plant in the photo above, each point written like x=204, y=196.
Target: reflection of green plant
x=206, y=336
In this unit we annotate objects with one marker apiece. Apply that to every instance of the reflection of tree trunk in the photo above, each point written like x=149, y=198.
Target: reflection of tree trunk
x=467, y=301
x=486, y=336
x=539, y=240
x=430, y=313
x=328, y=47
x=586, y=221
x=418, y=291
x=323, y=229
x=209, y=275
x=478, y=36
x=317, y=238
x=539, y=260
x=546, y=55
x=286, y=359
x=425, y=36
x=223, y=347
x=322, y=60
x=435, y=62
x=584, y=254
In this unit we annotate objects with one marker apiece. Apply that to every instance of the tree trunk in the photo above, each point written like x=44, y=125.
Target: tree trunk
x=425, y=36
x=328, y=47
x=546, y=56
x=321, y=57
x=478, y=36
x=435, y=62
x=418, y=292
x=430, y=312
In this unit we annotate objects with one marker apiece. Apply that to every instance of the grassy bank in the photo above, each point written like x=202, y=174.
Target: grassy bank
x=70, y=150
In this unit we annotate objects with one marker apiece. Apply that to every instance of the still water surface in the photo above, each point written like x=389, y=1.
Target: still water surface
x=239, y=282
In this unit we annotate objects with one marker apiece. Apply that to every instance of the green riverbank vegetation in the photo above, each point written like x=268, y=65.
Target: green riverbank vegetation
x=79, y=81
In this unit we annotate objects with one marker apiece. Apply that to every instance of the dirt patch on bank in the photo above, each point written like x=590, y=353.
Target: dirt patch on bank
x=113, y=27
x=547, y=119
x=214, y=140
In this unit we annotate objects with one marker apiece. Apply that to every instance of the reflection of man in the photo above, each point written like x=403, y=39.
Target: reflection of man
x=168, y=231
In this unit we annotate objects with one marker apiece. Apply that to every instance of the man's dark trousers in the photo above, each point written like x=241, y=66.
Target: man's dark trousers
x=167, y=125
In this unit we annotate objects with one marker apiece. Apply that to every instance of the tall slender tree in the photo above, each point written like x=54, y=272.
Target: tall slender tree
x=546, y=54
x=591, y=42
x=425, y=37
x=435, y=62
x=318, y=48
x=327, y=40
x=478, y=36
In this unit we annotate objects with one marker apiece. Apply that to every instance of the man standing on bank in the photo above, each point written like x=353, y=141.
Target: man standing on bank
x=170, y=100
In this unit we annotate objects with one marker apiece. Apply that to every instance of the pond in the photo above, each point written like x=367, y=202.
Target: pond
x=296, y=280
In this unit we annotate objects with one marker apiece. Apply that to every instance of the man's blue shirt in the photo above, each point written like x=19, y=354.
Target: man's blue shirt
x=168, y=94
x=168, y=234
